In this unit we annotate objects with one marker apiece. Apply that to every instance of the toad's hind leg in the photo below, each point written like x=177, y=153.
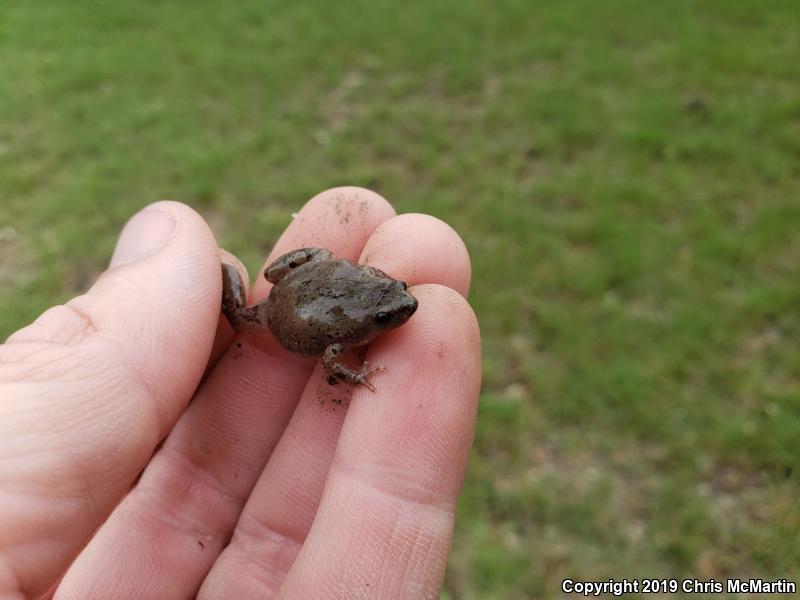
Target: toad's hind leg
x=338, y=372
x=283, y=264
x=234, y=301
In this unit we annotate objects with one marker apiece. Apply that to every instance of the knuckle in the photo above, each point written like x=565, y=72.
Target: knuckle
x=65, y=324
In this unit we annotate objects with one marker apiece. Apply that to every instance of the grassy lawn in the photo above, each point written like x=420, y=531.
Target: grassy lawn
x=625, y=174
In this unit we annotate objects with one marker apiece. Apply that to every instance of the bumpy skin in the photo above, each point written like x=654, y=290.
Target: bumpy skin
x=321, y=306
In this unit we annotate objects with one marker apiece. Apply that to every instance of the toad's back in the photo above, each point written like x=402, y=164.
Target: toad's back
x=325, y=302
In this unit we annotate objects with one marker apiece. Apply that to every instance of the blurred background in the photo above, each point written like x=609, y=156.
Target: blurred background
x=626, y=176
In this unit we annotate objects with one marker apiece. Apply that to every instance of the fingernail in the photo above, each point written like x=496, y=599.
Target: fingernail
x=146, y=233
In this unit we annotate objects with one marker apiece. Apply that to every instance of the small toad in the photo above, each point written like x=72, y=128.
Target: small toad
x=321, y=306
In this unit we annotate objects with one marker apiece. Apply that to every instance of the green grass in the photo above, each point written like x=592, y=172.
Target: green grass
x=625, y=174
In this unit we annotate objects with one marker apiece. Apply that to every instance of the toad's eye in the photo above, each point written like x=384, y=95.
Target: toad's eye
x=382, y=317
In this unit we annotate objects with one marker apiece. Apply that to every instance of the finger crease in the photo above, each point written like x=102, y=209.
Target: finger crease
x=89, y=326
x=405, y=492
x=196, y=509
x=268, y=551
x=257, y=528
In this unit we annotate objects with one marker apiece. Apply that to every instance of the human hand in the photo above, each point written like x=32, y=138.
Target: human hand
x=263, y=485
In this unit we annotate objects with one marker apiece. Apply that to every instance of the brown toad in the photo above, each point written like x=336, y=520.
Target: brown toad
x=321, y=306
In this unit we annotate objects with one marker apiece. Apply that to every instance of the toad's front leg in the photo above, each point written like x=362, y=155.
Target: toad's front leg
x=234, y=307
x=339, y=372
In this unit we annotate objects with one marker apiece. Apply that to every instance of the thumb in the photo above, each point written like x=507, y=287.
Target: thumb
x=91, y=387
